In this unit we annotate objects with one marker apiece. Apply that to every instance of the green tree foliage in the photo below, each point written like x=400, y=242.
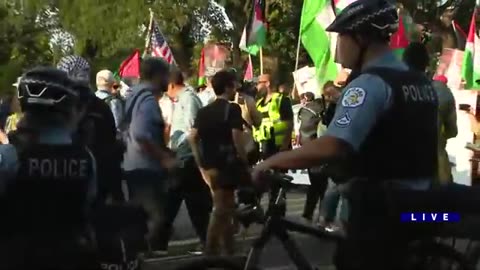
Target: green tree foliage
x=283, y=19
x=107, y=31
x=25, y=43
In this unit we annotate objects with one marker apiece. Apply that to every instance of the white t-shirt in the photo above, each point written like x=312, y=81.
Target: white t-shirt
x=167, y=105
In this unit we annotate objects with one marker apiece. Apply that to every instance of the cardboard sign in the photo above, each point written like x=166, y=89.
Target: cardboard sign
x=305, y=81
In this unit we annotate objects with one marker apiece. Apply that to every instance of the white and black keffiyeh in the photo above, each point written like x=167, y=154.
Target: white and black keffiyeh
x=76, y=66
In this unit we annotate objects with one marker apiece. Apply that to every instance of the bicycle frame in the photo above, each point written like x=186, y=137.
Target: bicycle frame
x=277, y=226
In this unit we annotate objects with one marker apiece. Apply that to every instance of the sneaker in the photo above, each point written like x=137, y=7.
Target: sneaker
x=198, y=251
x=331, y=228
x=157, y=253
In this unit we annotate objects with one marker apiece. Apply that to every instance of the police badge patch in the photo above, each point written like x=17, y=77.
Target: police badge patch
x=353, y=97
x=343, y=121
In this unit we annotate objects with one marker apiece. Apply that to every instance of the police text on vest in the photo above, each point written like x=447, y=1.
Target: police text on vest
x=430, y=217
x=418, y=93
x=57, y=168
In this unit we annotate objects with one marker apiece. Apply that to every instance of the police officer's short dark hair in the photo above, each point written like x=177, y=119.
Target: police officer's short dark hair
x=222, y=80
x=176, y=77
x=416, y=56
x=151, y=67
x=328, y=84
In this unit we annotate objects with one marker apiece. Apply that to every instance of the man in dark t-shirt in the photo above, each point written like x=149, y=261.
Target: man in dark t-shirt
x=216, y=140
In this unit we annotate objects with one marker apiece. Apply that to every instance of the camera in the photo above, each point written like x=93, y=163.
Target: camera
x=248, y=88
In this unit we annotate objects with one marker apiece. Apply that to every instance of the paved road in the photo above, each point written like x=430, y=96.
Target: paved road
x=183, y=228
x=319, y=253
x=274, y=257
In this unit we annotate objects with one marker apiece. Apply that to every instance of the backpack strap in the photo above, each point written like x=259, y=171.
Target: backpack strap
x=129, y=112
x=316, y=114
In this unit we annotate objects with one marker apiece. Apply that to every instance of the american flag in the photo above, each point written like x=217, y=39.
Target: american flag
x=158, y=44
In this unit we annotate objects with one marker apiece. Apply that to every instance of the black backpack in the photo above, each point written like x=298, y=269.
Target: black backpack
x=310, y=115
x=125, y=125
x=97, y=131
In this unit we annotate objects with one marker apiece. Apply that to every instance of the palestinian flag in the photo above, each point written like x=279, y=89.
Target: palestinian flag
x=202, y=80
x=255, y=32
x=399, y=40
x=460, y=35
x=471, y=58
x=320, y=45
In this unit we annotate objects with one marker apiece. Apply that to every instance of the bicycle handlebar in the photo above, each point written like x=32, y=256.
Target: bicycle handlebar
x=277, y=178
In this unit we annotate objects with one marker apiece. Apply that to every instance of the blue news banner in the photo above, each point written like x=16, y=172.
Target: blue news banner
x=429, y=217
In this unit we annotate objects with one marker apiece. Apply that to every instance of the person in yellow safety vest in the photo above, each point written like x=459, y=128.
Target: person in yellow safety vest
x=275, y=132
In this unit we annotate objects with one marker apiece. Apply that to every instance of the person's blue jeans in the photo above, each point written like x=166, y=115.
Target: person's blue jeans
x=330, y=202
x=148, y=188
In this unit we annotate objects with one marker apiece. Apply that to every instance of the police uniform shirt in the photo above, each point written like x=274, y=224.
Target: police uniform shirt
x=363, y=102
x=9, y=159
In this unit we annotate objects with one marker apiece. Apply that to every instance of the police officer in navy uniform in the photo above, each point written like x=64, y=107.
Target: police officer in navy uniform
x=48, y=183
x=384, y=132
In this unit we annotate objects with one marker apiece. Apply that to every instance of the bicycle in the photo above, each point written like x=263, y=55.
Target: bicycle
x=275, y=225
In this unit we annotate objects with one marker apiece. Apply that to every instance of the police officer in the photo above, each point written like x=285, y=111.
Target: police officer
x=48, y=183
x=385, y=124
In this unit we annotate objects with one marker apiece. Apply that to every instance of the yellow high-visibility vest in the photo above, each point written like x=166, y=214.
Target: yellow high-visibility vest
x=271, y=122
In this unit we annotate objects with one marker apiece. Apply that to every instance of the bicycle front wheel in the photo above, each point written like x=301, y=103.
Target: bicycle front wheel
x=227, y=263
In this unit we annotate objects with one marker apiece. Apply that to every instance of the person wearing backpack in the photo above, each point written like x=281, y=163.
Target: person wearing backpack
x=309, y=116
x=96, y=130
x=107, y=91
x=147, y=160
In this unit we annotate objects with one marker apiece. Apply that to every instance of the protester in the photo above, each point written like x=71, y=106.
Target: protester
x=96, y=130
x=107, y=91
x=147, y=159
x=217, y=145
x=310, y=115
x=332, y=197
x=448, y=126
x=285, y=90
x=252, y=118
x=187, y=184
x=167, y=106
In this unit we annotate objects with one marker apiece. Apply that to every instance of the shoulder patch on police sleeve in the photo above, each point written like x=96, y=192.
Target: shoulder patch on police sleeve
x=353, y=97
x=343, y=121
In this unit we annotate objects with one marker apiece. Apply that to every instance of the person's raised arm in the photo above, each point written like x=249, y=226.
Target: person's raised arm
x=349, y=128
x=255, y=115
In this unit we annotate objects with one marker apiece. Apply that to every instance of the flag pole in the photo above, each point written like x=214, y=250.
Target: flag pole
x=261, y=61
x=294, y=93
x=149, y=33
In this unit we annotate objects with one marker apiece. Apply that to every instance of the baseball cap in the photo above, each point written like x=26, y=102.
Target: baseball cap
x=105, y=78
